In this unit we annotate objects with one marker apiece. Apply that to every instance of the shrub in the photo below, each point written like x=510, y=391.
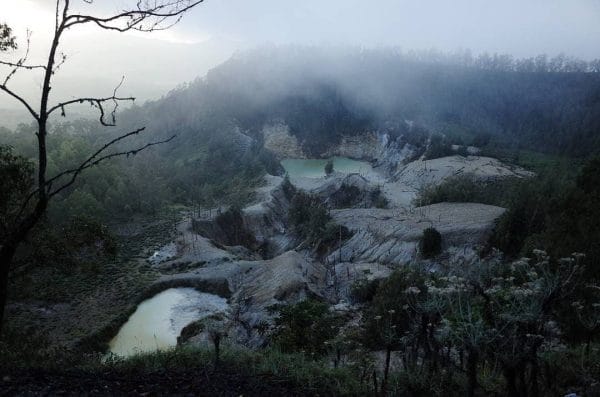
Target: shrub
x=308, y=216
x=289, y=190
x=347, y=196
x=305, y=326
x=329, y=167
x=467, y=189
x=378, y=198
x=430, y=243
x=364, y=290
x=438, y=147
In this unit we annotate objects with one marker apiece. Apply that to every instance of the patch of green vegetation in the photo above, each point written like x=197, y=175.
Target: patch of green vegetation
x=311, y=220
x=535, y=161
x=296, y=370
x=305, y=327
x=467, y=189
x=329, y=167
x=363, y=291
x=430, y=244
x=438, y=147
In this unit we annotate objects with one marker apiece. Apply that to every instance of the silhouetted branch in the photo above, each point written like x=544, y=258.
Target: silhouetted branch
x=156, y=13
x=89, y=162
x=98, y=103
x=20, y=99
x=20, y=64
x=75, y=172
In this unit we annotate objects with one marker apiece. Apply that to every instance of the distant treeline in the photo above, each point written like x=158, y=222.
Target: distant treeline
x=542, y=63
x=321, y=95
x=549, y=105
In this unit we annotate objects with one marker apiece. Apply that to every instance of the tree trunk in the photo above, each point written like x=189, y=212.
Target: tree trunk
x=217, y=343
x=388, y=356
x=523, y=381
x=6, y=255
x=511, y=382
x=472, y=372
x=535, y=391
x=375, y=381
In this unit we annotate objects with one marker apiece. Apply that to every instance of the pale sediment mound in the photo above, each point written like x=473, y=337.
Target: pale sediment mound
x=409, y=179
x=391, y=235
x=421, y=173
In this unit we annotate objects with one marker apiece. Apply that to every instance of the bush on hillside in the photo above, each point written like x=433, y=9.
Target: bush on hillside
x=430, y=243
x=329, y=167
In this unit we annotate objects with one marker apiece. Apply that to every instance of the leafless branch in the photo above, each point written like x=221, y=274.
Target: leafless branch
x=20, y=99
x=98, y=103
x=75, y=172
x=63, y=59
x=20, y=64
x=89, y=162
x=93, y=157
x=154, y=13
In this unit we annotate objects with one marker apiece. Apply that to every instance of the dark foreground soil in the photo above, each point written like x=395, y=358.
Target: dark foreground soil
x=203, y=382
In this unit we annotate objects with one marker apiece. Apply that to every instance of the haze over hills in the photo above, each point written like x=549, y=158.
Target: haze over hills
x=303, y=219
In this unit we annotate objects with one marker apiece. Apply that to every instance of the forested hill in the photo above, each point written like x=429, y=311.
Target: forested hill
x=541, y=104
x=550, y=105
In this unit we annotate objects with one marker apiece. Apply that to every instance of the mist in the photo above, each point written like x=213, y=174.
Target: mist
x=155, y=63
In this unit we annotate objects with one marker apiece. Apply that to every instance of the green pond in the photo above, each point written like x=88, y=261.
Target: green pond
x=315, y=168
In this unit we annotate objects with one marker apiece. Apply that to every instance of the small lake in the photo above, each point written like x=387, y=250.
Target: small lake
x=158, y=321
x=315, y=168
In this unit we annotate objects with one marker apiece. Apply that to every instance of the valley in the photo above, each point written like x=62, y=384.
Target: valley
x=295, y=230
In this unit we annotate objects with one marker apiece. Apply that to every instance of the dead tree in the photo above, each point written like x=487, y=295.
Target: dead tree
x=145, y=16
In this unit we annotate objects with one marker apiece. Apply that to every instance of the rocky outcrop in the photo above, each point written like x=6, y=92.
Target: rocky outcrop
x=403, y=187
x=227, y=228
x=348, y=191
x=345, y=275
x=364, y=146
x=254, y=286
x=421, y=173
x=390, y=236
x=279, y=140
x=388, y=152
x=267, y=218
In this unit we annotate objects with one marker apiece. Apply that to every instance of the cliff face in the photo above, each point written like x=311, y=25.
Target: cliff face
x=385, y=151
x=278, y=139
x=391, y=236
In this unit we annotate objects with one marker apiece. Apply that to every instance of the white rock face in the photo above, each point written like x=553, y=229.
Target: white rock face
x=256, y=285
x=421, y=173
x=382, y=240
x=279, y=140
x=365, y=146
x=390, y=236
x=163, y=254
x=267, y=218
x=403, y=187
x=346, y=274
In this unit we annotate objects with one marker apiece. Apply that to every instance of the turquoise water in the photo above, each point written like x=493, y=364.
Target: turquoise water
x=313, y=168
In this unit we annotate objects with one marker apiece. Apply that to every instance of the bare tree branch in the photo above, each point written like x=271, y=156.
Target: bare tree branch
x=75, y=172
x=20, y=64
x=20, y=99
x=151, y=11
x=91, y=161
x=97, y=153
x=148, y=15
x=98, y=103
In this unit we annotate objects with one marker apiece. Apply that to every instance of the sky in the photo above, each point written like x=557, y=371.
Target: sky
x=153, y=64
